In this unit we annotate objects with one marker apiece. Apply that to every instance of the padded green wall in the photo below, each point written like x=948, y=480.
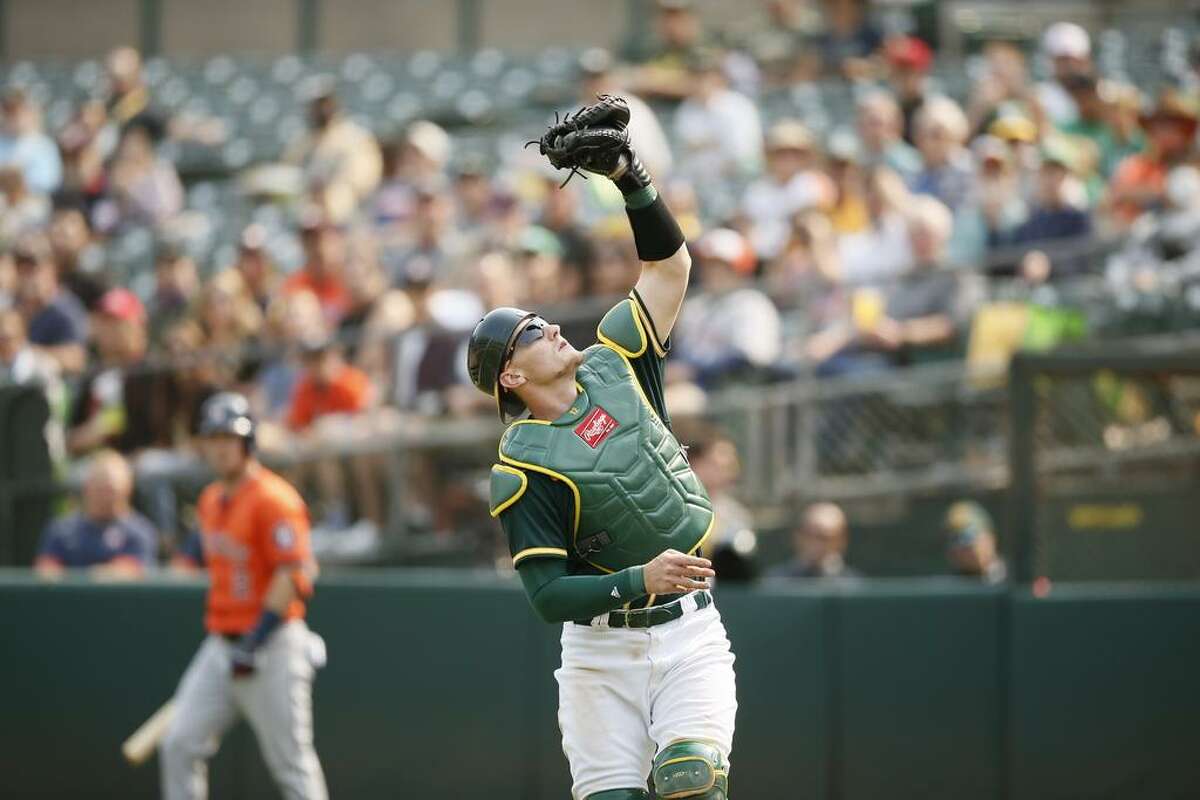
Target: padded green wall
x=440, y=685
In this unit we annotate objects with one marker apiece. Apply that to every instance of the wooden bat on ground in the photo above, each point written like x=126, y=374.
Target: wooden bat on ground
x=144, y=741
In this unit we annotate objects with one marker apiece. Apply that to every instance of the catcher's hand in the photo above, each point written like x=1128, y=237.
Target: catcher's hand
x=594, y=139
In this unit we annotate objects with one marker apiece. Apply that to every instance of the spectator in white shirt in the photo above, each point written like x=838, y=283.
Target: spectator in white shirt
x=718, y=132
x=792, y=183
x=731, y=325
x=25, y=146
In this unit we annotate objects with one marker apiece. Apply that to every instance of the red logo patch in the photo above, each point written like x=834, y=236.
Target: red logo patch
x=596, y=427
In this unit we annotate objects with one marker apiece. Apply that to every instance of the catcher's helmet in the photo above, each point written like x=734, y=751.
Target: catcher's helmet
x=487, y=351
x=227, y=413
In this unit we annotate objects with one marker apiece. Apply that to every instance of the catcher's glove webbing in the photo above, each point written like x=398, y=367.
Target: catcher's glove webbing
x=595, y=139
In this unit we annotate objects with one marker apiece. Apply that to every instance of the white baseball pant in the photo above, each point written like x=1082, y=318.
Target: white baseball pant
x=624, y=694
x=276, y=700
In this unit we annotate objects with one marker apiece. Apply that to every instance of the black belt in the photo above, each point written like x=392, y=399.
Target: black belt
x=654, y=615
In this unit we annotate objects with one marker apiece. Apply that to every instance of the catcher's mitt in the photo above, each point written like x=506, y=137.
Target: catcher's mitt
x=591, y=139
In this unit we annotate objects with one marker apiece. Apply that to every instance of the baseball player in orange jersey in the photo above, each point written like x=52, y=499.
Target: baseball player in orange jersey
x=259, y=658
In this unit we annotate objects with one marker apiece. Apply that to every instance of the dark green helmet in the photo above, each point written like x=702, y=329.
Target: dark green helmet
x=490, y=343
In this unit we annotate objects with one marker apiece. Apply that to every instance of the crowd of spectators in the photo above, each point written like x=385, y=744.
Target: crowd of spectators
x=835, y=249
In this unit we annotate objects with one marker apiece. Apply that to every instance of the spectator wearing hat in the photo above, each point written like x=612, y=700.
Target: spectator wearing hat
x=948, y=174
x=908, y=62
x=848, y=209
x=339, y=158
x=119, y=402
x=1059, y=210
x=664, y=74
x=947, y=171
x=971, y=543
x=24, y=145
x=819, y=545
x=434, y=243
x=475, y=210
x=793, y=182
x=718, y=131
x=597, y=76
x=324, y=259
x=731, y=326
x=880, y=127
x=255, y=265
x=1002, y=89
x=1069, y=48
x=1139, y=180
x=106, y=536
x=543, y=276
x=56, y=321
x=1000, y=190
x=1096, y=123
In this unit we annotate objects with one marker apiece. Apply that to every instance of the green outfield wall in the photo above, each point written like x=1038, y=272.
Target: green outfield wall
x=439, y=685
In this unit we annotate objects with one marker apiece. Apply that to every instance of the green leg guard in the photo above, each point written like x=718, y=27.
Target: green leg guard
x=690, y=769
x=620, y=794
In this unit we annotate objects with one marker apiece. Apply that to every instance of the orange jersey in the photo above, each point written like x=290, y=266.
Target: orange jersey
x=247, y=535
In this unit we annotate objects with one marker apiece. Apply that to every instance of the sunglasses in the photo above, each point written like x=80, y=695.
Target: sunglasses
x=529, y=334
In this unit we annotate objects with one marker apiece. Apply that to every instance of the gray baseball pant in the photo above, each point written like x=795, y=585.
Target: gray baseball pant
x=276, y=700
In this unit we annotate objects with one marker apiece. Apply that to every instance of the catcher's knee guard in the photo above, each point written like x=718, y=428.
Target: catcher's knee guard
x=620, y=794
x=690, y=769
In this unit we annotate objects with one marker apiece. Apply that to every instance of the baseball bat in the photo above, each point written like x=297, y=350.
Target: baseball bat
x=144, y=741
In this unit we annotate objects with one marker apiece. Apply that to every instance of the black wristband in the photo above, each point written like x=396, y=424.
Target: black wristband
x=655, y=231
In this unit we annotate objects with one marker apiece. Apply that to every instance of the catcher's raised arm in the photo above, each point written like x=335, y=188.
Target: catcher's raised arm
x=596, y=140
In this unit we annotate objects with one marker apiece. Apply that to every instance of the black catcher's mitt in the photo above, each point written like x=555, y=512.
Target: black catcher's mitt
x=592, y=139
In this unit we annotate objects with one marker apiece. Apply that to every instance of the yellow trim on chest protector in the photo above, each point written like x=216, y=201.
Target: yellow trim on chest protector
x=539, y=468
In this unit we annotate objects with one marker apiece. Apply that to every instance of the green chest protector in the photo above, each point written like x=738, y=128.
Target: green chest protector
x=635, y=493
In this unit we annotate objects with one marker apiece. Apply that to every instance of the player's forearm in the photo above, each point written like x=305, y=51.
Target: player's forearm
x=666, y=262
x=558, y=597
x=290, y=582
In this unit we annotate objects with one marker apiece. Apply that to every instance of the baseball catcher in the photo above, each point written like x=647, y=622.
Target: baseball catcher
x=603, y=514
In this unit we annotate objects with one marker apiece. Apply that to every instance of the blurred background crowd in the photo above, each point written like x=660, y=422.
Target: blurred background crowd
x=322, y=232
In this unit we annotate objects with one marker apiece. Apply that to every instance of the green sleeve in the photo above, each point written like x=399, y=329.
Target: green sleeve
x=559, y=597
x=538, y=522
